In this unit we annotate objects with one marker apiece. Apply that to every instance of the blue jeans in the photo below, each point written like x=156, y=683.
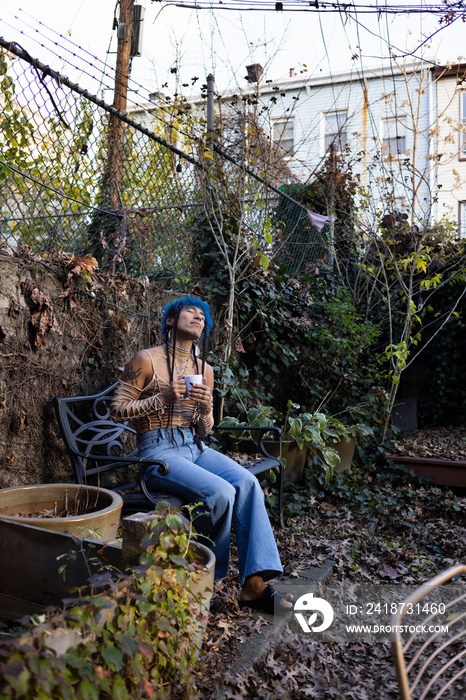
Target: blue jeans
x=229, y=493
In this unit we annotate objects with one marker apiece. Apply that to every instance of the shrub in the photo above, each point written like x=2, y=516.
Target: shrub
x=146, y=647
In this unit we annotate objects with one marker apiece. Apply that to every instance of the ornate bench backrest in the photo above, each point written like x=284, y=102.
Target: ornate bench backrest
x=91, y=437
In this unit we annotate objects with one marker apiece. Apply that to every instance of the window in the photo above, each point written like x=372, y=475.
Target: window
x=394, y=136
x=462, y=220
x=335, y=131
x=463, y=124
x=283, y=136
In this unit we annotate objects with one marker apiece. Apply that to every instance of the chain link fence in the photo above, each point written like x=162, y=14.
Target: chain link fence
x=78, y=176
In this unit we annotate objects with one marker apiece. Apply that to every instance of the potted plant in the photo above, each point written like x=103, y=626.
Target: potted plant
x=326, y=437
x=340, y=437
x=312, y=435
x=257, y=416
x=75, y=509
x=300, y=432
x=328, y=441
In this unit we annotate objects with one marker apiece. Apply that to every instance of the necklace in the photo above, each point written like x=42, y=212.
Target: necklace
x=182, y=359
x=182, y=352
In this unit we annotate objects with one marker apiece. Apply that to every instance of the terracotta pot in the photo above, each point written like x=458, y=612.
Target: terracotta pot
x=295, y=458
x=345, y=449
x=100, y=522
x=203, y=586
x=137, y=526
x=444, y=472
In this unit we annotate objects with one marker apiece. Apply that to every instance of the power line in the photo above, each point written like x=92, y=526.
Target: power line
x=80, y=59
x=80, y=55
x=440, y=9
x=343, y=9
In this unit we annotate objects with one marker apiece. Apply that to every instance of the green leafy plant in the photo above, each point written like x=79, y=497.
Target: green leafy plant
x=147, y=647
x=320, y=433
x=315, y=431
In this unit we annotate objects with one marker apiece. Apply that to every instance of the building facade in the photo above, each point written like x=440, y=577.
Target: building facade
x=450, y=145
x=401, y=127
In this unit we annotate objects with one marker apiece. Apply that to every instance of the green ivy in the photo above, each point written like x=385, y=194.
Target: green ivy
x=298, y=337
x=146, y=649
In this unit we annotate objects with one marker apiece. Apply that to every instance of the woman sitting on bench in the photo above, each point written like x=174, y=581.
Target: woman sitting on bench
x=171, y=425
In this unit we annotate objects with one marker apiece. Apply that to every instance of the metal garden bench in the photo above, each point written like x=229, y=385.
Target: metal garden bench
x=105, y=452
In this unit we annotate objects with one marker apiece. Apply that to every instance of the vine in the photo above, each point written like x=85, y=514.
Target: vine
x=147, y=648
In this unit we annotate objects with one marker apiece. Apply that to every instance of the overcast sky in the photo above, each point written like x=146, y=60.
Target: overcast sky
x=224, y=42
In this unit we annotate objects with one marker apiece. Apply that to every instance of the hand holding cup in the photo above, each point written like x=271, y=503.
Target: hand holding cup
x=191, y=380
x=197, y=390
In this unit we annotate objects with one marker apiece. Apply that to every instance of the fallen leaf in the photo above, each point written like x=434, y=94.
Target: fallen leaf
x=23, y=420
x=88, y=264
x=43, y=319
x=14, y=310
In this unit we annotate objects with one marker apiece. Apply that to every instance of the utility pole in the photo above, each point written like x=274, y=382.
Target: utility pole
x=116, y=232
x=116, y=126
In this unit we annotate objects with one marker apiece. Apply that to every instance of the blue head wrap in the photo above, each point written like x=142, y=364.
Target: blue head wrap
x=178, y=304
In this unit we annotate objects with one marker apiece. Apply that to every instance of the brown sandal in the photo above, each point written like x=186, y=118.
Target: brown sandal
x=269, y=602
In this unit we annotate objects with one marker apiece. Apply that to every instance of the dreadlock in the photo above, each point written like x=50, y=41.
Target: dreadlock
x=173, y=311
x=203, y=355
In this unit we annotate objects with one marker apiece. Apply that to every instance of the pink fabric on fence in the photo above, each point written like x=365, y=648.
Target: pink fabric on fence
x=318, y=220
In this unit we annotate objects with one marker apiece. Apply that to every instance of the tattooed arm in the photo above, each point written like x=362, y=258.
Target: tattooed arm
x=133, y=374
x=126, y=403
x=138, y=371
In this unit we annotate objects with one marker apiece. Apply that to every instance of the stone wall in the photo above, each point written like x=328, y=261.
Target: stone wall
x=64, y=330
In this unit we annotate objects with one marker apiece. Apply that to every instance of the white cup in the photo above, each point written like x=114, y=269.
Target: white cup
x=193, y=379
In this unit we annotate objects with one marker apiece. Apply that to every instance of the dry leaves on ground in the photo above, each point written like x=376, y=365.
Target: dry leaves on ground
x=438, y=443
x=402, y=545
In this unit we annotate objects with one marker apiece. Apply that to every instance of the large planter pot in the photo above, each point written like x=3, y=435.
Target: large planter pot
x=345, y=449
x=137, y=526
x=203, y=585
x=295, y=457
x=444, y=472
x=99, y=521
x=30, y=560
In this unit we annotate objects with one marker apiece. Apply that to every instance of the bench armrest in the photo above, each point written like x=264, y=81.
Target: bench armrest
x=163, y=469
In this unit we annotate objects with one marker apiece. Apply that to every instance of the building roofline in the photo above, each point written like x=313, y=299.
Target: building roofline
x=339, y=77
x=450, y=70
x=304, y=82
x=301, y=83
